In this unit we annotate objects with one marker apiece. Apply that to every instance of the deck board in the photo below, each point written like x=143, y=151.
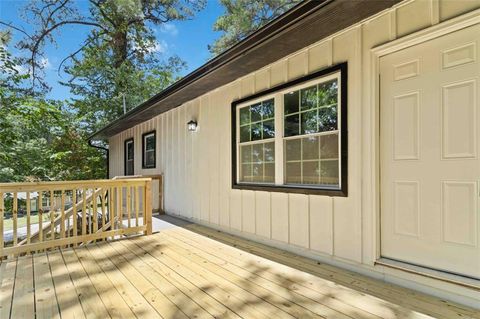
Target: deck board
x=191, y=271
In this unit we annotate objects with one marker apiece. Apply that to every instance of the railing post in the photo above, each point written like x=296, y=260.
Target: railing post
x=148, y=207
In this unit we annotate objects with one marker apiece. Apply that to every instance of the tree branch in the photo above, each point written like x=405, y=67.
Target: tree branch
x=15, y=28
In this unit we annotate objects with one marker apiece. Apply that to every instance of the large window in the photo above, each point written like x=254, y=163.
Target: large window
x=129, y=155
x=293, y=137
x=149, y=146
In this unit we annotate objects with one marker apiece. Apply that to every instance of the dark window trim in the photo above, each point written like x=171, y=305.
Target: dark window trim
x=154, y=150
x=343, y=191
x=125, y=156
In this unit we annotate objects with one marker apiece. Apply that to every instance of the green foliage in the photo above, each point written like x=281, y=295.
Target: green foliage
x=41, y=139
x=242, y=17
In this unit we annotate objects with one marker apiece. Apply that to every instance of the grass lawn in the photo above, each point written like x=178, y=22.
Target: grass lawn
x=22, y=221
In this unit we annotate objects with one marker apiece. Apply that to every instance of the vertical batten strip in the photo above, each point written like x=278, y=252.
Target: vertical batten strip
x=74, y=213
x=137, y=203
x=84, y=212
x=15, y=218
x=62, y=215
x=29, y=208
x=2, y=210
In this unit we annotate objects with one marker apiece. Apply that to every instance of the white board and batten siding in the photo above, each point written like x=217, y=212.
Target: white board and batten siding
x=197, y=166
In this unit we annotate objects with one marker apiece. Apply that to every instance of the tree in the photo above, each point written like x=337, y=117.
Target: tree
x=41, y=139
x=118, y=59
x=242, y=17
x=38, y=137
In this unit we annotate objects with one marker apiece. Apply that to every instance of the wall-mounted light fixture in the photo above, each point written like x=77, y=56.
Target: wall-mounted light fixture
x=192, y=126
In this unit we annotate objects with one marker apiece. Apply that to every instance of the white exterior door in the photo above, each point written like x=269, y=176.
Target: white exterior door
x=429, y=146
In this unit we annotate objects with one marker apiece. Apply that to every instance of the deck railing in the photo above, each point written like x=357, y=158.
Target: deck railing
x=88, y=211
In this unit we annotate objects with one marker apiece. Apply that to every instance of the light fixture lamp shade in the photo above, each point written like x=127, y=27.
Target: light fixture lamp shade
x=192, y=126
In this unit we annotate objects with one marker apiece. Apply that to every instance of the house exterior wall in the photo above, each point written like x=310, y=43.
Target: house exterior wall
x=341, y=230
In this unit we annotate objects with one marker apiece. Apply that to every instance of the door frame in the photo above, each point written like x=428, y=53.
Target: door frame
x=461, y=22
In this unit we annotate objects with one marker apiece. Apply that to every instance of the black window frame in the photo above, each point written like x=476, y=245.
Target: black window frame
x=125, y=154
x=154, y=132
x=303, y=189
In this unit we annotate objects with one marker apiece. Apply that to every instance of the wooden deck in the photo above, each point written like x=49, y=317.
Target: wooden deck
x=190, y=271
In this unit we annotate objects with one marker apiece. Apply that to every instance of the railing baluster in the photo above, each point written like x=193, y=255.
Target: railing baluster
x=104, y=194
x=94, y=211
x=84, y=212
x=147, y=218
x=129, y=205
x=52, y=214
x=40, y=217
x=74, y=213
x=2, y=210
x=137, y=203
x=29, y=208
x=111, y=207
x=15, y=220
x=120, y=211
x=62, y=215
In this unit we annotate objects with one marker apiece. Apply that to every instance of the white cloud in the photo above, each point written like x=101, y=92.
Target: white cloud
x=169, y=29
x=45, y=63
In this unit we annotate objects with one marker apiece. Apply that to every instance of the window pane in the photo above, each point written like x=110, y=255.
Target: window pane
x=246, y=173
x=149, y=158
x=269, y=172
x=257, y=153
x=328, y=118
x=293, y=173
x=268, y=129
x=130, y=151
x=253, y=167
x=292, y=125
x=246, y=153
x=328, y=93
x=245, y=115
x=269, y=151
x=311, y=172
x=308, y=98
x=329, y=146
x=150, y=142
x=291, y=102
x=130, y=167
x=256, y=131
x=292, y=150
x=257, y=173
x=256, y=112
x=309, y=122
x=329, y=172
x=245, y=133
x=310, y=148
x=268, y=109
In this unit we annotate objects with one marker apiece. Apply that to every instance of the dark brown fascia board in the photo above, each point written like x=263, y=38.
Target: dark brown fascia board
x=313, y=20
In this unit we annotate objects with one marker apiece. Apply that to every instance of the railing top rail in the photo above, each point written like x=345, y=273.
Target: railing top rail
x=59, y=185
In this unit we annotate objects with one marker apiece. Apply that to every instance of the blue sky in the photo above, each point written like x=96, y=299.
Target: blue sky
x=187, y=39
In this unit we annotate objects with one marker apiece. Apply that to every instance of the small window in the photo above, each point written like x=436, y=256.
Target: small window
x=149, y=145
x=129, y=155
x=293, y=138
